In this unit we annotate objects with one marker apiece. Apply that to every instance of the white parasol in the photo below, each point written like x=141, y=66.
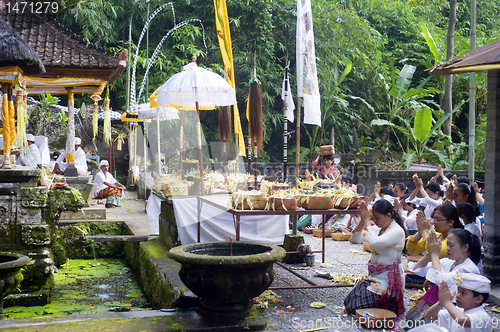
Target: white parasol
x=145, y=111
x=197, y=87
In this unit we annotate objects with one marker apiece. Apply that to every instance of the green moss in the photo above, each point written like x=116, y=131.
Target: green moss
x=76, y=244
x=158, y=288
x=156, y=249
x=59, y=253
x=88, y=287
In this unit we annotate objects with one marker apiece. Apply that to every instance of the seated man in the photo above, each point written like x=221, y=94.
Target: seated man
x=30, y=156
x=107, y=187
x=80, y=160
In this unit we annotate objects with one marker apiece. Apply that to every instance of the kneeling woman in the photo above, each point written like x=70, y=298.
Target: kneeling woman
x=383, y=288
x=107, y=187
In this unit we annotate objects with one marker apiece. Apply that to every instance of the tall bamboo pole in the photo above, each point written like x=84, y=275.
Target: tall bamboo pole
x=297, y=133
x=472, y=95
x=285, y=126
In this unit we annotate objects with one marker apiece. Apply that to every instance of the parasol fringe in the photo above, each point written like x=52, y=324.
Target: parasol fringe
x=255, y=113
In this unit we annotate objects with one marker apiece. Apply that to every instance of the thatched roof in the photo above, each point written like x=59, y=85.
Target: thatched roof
x=14, y=51
x=481, y=59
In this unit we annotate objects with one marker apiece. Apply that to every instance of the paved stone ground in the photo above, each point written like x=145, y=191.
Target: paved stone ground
x=293, y=312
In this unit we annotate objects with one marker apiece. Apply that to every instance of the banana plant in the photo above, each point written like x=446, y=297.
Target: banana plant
x=400, y=97
x=336, y=108
x=425, y=128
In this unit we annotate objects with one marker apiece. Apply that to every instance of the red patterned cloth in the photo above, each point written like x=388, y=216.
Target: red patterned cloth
x=394, y=287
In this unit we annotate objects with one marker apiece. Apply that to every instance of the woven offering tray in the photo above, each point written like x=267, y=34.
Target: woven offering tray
x=341, y=237
x=248, y=200
x=281, y=203
x=326, y=150
x=376, y=318
x=311, y=202
x=307, y=229
x=318, y=232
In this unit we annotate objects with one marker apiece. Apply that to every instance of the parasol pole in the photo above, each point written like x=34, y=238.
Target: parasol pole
x=255, y=162
x=249, y=152
x=158, y=139
x=182, y=142
x=198, y=132
x=145, y=160
x=297, y=132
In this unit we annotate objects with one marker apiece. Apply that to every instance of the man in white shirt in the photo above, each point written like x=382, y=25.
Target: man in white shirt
x=30, y=156
x=80, y=160
x=107, y=186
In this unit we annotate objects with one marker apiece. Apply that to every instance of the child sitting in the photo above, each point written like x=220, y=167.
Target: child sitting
x=346, y=224
x=468, y=314
x=468, y=214
x=408, y=212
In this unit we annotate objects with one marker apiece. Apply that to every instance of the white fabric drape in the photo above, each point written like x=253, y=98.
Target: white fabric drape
x=216, y=224
x=307, y=76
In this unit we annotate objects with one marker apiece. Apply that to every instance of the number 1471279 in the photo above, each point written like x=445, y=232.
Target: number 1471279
x=21, y=7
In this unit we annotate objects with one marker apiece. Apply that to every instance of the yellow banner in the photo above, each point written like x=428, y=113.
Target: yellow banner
x=224, y=36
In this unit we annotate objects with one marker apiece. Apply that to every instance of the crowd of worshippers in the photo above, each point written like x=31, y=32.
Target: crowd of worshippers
x=107, y=187
x=439, y=225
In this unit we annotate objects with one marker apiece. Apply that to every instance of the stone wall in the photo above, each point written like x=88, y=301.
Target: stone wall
x=492, y=190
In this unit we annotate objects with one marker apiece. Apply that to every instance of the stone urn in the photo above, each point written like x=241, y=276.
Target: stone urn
x=226, y=276
x=10, y=273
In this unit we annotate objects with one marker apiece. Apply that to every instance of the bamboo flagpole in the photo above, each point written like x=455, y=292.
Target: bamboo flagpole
x=288, y=107
x=297, y=133
x=307, y=79
x=285, y=127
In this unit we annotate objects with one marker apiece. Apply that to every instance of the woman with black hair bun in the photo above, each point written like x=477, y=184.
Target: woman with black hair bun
x=463, y=255
x=383, y=287
x=408, y=212
x=468, y=213
x=431, y=196
x=399, y=190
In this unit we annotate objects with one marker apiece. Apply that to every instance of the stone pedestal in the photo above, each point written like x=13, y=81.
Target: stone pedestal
x=169, y=235
x=291, y=243
x=492, y=179
x=28, y=222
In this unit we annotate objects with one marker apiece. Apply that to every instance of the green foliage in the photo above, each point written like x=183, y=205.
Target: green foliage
x=422, y=124
x=358, y=47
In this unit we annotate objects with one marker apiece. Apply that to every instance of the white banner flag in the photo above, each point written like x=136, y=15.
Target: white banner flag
x=286, y=95
x=307, y=77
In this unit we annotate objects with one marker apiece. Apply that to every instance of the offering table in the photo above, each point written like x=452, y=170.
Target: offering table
x=221, y=202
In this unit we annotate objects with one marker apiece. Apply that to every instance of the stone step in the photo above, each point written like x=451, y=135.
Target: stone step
x=92, y=212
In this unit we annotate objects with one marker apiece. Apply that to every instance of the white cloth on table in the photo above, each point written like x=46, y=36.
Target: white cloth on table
x=153, y=209
x=30, y=156
x=479, y=318
x=99, y=180
x=219, y=225
x=80, y=162
x=386, y=249
x=429, y=203
x=435, y=276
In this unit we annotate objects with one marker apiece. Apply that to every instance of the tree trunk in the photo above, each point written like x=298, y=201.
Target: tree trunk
x=448, y=84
